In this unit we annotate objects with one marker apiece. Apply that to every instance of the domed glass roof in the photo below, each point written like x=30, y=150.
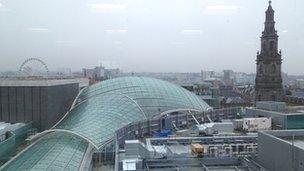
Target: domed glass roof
x=103, y=108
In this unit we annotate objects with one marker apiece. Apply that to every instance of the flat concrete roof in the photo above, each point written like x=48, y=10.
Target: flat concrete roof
x=295, y=136
x=279, y=112
x=297, y=141
x=36, y=83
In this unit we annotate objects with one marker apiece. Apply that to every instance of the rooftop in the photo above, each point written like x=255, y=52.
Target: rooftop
x=297, y=141
x=125, y=100
x=295, y=137
x=36, y=83
x=54, y=151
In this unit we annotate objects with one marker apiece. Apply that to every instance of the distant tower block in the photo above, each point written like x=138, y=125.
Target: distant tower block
x=268, y=83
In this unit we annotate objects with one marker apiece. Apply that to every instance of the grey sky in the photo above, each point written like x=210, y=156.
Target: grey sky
x=147, y=35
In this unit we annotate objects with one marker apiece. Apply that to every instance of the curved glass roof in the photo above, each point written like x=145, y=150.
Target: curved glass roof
x=109, y=105
x=152, y=95
x=99, y=117
x=100, y=110
x=54, y=151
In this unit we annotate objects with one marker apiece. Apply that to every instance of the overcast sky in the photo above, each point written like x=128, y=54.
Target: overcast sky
x=147, y=35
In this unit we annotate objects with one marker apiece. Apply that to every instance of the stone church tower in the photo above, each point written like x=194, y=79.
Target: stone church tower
x=268, y=82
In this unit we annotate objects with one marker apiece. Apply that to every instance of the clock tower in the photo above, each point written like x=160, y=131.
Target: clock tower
x=268, y=82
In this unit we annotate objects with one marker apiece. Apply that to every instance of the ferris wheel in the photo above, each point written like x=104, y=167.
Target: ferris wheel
x=33, y=67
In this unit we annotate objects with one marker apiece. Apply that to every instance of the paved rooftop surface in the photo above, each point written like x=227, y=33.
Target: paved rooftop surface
x=298, y=141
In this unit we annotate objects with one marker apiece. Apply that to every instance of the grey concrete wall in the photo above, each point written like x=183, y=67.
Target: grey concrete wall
x=42, y=105
x=60, y=99
x=4, y=103
x=28, y=104
x=276, y=155
x=45, y=123
x=20, y=104
x=12, y=104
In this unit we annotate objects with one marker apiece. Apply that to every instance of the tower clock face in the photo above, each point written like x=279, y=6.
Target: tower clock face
x=267, y=69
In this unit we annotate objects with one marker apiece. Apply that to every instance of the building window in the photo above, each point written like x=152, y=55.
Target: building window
x=273, y=68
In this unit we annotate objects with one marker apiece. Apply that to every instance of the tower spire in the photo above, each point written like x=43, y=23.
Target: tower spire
x=269, y=22
x=269, y=9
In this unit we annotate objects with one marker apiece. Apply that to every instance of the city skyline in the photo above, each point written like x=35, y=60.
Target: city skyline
x=141, y=36
x=185, y=85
